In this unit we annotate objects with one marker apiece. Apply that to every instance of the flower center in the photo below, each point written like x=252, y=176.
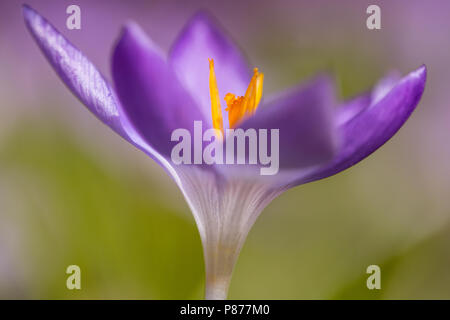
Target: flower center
x=238, y=107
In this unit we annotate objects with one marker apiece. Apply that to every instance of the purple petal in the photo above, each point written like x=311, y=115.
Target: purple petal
x=75, y=70
x=370, y=129
x=154, y=101
x=200, y=40
x=350, y=109
x=85, y=81
x=304, y=118
x=383, y=87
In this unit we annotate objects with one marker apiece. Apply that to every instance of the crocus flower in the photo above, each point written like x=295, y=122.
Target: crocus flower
x=153, y=95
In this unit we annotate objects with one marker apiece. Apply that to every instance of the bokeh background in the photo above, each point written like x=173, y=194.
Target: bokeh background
x=72, y=192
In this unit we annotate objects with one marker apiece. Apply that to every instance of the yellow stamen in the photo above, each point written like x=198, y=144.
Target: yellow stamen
x=238, y=107
x=259, y=88
x=216, y=110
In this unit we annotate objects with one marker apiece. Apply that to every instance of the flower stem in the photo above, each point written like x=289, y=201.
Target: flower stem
x=217, y=289
x=221, y=254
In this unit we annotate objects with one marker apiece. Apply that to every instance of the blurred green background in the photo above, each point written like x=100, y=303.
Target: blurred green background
x=72, y=192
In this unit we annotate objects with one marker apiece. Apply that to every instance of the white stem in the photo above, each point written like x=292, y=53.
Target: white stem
x=221, y=252
x=217, y=289
x=224, y=210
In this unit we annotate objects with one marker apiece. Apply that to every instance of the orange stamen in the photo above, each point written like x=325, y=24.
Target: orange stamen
x=238, y=107
x=216, y=110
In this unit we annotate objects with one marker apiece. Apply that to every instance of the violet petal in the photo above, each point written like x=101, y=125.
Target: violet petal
x=373, y=127
x=153, y=99
x=304, y=117
x=200, y=40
